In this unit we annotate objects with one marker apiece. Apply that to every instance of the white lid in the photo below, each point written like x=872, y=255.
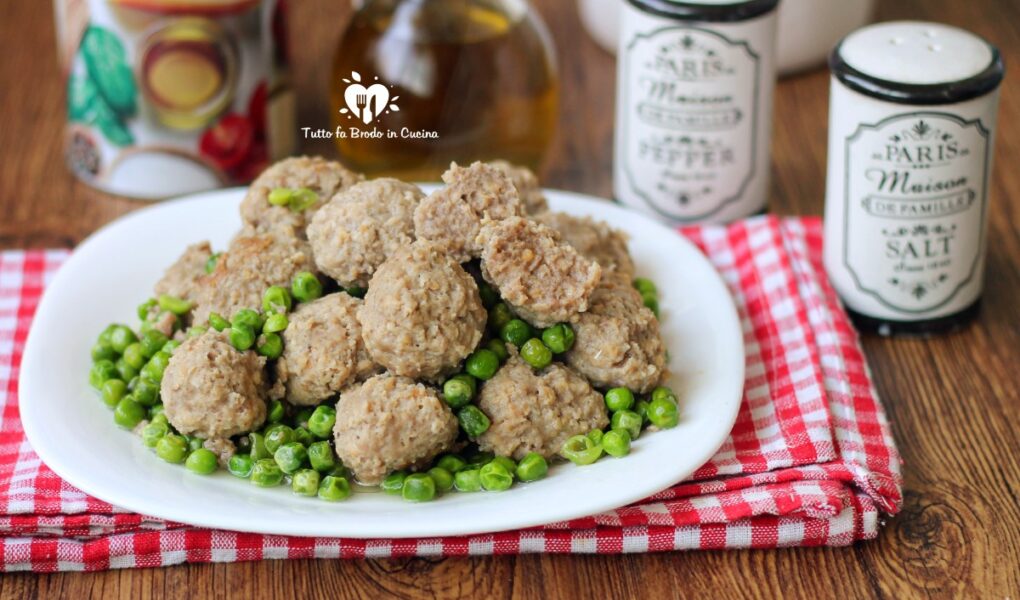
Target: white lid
x=915, y=52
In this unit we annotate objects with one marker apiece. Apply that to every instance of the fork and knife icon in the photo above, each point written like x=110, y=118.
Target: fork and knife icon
x=367, y=103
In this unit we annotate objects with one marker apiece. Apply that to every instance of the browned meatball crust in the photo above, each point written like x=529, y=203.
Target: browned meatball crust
x=422, y=314
x=324, y=177
x=390, y=423
x=527, y=186
x=537, y=411
x=322, y=350
x=211, y=390
x=452, y=215
x=181, y=279
x=618, y=340
x=593, y=239
x=361, y=227
x=545, y=280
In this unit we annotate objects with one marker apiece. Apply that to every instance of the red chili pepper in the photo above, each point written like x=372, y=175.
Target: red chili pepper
x=257, y=109
x=228, y=142
x=253, y=164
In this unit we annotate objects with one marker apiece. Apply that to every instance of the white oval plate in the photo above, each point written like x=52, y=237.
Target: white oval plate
x=109, y=274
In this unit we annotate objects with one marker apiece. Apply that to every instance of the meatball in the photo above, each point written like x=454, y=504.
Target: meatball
x=246, y=269
x=537, y=411
x=593, y=239
x=324, y=177
x=181, y=279
x=390, y=423
x=211, y=390
x=618, y=340
x=527, y=186
x=422, y=314
x=543, y=278
x=453, y=215
x=361, y=227
x=322, y=351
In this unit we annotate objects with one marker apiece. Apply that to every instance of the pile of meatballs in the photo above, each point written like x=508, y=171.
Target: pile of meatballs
x=381, y=359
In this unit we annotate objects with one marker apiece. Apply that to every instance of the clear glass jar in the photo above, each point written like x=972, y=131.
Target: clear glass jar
x=420, y=83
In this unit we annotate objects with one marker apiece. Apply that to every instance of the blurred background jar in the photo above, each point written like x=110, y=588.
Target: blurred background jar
x=417, y=84
x=167, y=97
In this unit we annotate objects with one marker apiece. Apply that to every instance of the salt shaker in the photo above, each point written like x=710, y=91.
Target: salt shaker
x=912, y=120
x=694, y=108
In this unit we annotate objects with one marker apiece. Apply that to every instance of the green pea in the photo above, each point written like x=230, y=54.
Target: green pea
x=146, y=392
x=124, y=370
x=194, y=442
x=442, y=478
x=145, y=308
x=559, y=338
x=172, y=448
x=418, y=487
x=305, y=482
x=303, y=199
x=196, y=330
x=515, y=332
x=488, y=295
x=499, y=315
x=532, y=467
x=301, y=417
x=112, y=391
x=627, y=420
x=458, y=390
x=275, y=412
x=334, y=488
x=480, y=458
x=210, y=263
x=645, y=286
x=619, y=398
x=482, y=364
x=303, y=436
x=240, y=465
x=266, y=473
x=662, y=392
x=663, y=413
x=121, y=337
x=242, y=337
x=616, y=442
x=322, y=421
x=394, y=482
x=498, y=347
x=580, y=450
x=321, y=456
x=536, y=354
x=473, y=421
x=451, y=462
x=651, y=303
x=177, y=306
x=641, y=408
x=103, y=351
x=257, y=446
x=101, y=371
x=134, y=355
x=275, y=323
x=128, y=413
x=278, y=435
x=495, y=477
x=290, y=457
x=156, y=411
x=247, y=318
x=276, y=299
x=201, y=461
x=507, y=462
x=154, y=369
x=467, y=480
x=153, y=432
x=595, y=435
x=170, y=346
x=356, y=290
x=152, y=342
x=104, y=335
x=280, y=196
x=217, y=322
x=306, y=287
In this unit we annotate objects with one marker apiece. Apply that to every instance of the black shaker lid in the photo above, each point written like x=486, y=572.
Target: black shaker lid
x=707, y=12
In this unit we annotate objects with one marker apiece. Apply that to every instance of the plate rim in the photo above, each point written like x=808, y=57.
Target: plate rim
x=33, y=426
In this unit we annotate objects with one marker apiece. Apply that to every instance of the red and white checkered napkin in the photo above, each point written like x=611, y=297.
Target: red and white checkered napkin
x=811, y=460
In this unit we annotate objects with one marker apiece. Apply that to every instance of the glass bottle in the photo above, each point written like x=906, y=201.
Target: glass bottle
x=420, y=83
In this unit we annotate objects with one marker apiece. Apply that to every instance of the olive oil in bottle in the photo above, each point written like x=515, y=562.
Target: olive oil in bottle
x=420, y=83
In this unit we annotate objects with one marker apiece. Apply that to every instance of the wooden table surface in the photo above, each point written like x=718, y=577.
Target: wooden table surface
x=953, y=401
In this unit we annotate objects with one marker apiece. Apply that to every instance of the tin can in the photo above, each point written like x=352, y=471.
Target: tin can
x=694, y=108
x=166, y=97
x=912, y=121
